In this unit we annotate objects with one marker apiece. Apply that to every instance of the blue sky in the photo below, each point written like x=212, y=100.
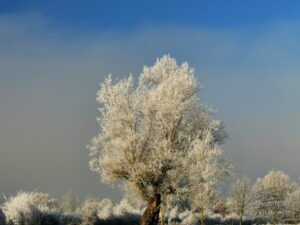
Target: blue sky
x=54, y=54
x=99, y=15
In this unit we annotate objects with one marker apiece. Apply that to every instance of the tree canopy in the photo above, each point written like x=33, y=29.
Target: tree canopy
x=156, y=134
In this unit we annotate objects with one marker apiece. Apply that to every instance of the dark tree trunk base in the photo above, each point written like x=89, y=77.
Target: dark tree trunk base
x=151, y=214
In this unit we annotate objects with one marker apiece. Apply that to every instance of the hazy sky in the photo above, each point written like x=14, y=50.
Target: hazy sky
x=54, y=54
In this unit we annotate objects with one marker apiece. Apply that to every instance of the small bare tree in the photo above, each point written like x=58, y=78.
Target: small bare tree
x=239, y=197
x=203, y=198
x=69, y=202
x=157, y=135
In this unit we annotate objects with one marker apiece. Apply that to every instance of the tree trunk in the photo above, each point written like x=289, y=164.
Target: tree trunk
x=162, y=215
x=202, y=220
x=274, y=219
x=151, y=214
x=241, y=219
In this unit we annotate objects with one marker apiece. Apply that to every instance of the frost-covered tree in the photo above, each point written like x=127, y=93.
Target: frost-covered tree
x=69, y=202
x=202, y=199
x=239, y=197
x=293, y=204
x=270, y=194
x=157, y=135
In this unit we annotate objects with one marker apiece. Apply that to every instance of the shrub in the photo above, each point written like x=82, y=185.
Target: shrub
x=69, y=202
x=91, y=207
x=96, y=212
x=43, y=201
x=126, y=208
x=21, y=210
x=30, y=208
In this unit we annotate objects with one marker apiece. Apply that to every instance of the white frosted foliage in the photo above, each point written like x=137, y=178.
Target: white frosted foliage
x=26, y=207
x=156, y=134
x=270, y=193
x=293, y=204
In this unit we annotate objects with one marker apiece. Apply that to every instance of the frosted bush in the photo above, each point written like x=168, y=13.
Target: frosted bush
x=188, y=218
x=293, y=203
x=28, y=207
x=69, y=202
x=103, y=209
x=96, y=212
x=88, y=207
x=106, y=209
x=43, y=201
x=133, y=199
x=20, y=209
x=124, y=208
x=172, y=215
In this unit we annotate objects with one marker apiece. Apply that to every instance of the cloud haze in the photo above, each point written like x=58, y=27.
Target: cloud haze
x=49, y=77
